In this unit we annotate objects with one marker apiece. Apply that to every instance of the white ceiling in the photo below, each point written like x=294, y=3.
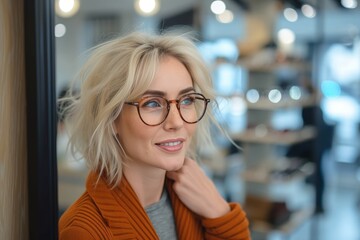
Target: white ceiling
x=167, y=6
x=111, y=6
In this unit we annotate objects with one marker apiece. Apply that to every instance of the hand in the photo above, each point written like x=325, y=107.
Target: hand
x=197, y=191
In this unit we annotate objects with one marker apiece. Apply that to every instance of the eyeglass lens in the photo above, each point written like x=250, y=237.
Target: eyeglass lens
x=154, y=110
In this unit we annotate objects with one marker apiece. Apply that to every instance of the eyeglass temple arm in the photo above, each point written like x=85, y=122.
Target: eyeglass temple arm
x=132, y=103
x=206, y=99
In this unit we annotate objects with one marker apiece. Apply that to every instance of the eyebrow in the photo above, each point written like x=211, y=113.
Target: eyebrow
x=162, y=94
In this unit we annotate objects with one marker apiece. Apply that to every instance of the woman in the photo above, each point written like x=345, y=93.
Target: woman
x=137, y=124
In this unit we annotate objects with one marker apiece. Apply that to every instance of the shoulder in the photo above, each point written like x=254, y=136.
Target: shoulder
x=83, y=220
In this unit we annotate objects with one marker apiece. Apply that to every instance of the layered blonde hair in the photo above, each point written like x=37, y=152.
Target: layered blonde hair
x=121, y=70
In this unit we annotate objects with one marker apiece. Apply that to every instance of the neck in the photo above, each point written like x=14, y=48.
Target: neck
x=148, y=185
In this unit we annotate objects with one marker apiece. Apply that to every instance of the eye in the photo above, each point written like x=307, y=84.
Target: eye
x=152, y=103
x=187, y=100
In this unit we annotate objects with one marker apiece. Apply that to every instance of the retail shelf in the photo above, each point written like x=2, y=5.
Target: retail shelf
x=300, y=66
x=297, y=219
x=264, y=176
x=265, y=104
x=269, y=179
x=275, y=137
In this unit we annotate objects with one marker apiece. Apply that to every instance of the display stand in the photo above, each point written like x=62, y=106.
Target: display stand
x=273, y=183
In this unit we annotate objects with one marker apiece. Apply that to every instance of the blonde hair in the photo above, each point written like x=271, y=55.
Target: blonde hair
x=121, y=70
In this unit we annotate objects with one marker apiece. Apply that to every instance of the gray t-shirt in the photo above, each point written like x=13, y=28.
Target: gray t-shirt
x=162, y=217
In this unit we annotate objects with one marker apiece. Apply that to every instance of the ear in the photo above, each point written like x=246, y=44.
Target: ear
x=115, y=125
x=116, y=138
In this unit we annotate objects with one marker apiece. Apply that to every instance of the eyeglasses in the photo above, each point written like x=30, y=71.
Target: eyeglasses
x=153, y=110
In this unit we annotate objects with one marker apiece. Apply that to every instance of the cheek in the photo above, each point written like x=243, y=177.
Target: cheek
x=131, y=131
x=191, y=128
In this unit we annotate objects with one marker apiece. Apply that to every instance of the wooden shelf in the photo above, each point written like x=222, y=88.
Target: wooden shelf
x=264, y=104
x=267, y=177
x=297, y=219
x=250, y=176
x=263, y=176
x=276, y=137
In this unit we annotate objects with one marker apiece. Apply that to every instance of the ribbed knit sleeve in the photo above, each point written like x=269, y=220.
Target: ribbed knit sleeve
x=83, y=221
x=75, y=233
x=188, y=225
x=106, y=213
x=232, y=226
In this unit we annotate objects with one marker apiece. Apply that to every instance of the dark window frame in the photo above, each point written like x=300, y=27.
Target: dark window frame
x=41, y=119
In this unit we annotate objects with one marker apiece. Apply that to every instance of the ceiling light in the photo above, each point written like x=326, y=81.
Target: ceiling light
x=147, y=7
x=252, y=95
x=226, y=17
x=60, y=30
x=308, y=11
x=349, y=3
x=67, y=8
x=218, y=7
x=286, y=36
x=290, y=14
x=274, y=95
x=295, y=92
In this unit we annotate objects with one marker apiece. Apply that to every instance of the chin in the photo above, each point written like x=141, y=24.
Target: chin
x=175, y=164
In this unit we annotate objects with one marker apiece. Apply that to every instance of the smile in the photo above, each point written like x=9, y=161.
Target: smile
x=171, y=144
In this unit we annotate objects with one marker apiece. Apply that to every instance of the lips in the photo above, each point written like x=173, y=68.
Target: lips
x=171, y=145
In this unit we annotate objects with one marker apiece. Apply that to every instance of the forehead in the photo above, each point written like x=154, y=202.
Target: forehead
x=171, y=77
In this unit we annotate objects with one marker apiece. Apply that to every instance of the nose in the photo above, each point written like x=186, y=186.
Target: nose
x=173, y=120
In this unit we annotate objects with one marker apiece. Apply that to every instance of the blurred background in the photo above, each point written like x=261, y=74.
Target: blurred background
x=287, y=77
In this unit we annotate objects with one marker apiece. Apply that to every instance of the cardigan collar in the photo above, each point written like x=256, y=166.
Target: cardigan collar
x=123, y=201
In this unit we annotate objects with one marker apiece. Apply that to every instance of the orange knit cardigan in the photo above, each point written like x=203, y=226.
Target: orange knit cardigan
x=105, y=213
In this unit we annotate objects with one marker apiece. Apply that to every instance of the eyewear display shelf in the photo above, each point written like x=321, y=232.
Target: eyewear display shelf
x=277, y=198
